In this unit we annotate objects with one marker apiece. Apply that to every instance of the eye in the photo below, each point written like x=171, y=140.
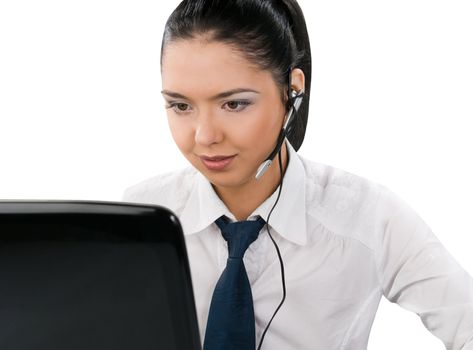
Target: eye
x=237, y=105
x=179, y=107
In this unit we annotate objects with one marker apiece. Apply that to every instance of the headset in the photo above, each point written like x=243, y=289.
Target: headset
x=296, y=100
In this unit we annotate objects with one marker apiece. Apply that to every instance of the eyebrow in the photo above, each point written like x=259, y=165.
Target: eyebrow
x=215, y=97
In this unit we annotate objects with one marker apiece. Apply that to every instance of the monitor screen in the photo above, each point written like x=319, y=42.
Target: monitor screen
x=93, y=275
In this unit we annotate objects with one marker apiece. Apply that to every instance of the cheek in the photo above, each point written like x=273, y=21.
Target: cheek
x=259, y=132
x=181, y=133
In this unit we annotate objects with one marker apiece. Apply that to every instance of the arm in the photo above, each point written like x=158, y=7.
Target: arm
x=419, y=274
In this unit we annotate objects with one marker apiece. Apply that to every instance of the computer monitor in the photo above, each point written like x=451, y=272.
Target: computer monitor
x=94, y=275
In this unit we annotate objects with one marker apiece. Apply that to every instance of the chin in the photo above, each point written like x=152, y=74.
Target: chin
x=226, y=179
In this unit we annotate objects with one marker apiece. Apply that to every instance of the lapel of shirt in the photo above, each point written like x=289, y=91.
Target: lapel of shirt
x=203, y=207
x=288, y=218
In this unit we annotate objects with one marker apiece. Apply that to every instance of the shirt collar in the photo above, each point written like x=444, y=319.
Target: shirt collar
x=288, y=218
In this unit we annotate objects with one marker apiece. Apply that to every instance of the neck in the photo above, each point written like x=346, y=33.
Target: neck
x=243, y=200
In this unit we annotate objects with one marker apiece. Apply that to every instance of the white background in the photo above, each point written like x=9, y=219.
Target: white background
x=81, y=116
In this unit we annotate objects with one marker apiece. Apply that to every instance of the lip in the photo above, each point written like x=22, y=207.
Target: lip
x=217, y=162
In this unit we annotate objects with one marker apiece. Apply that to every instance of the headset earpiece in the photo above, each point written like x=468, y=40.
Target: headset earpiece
x=295, y=103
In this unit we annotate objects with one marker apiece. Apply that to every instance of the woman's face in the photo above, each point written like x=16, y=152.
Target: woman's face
x=219, y=104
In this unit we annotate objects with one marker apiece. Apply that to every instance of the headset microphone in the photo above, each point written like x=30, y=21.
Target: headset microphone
x=297, y=98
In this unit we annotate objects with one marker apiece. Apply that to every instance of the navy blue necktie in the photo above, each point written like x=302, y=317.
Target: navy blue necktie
x=231, y=321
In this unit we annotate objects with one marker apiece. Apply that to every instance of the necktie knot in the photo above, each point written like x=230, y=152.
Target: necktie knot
x=239, y=235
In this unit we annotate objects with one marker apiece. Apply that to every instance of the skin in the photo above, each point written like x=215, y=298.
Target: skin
x=245, y=124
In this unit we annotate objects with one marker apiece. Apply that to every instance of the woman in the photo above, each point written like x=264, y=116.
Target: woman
x=236, y=80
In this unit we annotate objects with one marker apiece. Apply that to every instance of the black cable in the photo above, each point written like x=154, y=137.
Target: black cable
x=277, y=250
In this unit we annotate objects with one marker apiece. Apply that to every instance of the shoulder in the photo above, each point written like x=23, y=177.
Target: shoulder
x=332, y=186
x=170, y=189
x=348, y=204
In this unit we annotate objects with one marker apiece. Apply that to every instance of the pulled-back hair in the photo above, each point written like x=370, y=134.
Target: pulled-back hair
x=270, y=33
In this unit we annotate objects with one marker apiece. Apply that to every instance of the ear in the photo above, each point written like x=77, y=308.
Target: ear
x=297, y=80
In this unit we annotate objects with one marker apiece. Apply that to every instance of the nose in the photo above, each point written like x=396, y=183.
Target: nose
x=207, y=131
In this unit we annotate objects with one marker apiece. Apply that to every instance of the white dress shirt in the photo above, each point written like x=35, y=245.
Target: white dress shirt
x=345, y=241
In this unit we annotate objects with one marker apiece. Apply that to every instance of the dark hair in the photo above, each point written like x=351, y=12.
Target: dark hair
x=270, y=33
